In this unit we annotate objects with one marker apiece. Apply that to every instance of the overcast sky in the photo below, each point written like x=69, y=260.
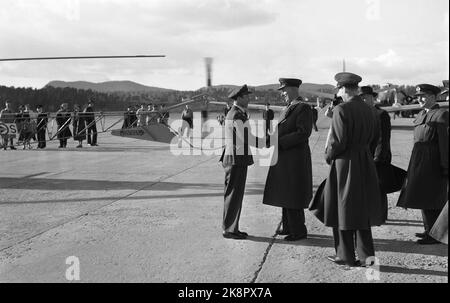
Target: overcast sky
x=253, y=42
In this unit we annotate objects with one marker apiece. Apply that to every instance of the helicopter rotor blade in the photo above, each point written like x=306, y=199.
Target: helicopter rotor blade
x=81, y=57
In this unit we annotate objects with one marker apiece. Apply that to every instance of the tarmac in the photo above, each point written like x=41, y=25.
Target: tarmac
x=131, y=211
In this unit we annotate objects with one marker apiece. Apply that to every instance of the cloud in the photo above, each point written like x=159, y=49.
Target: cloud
x=387, y=60
x=409, y=66
x=213, y=15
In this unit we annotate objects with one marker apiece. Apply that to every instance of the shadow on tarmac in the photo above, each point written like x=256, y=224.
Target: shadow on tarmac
x=387, y=245
x=28, y=183
x=404, y=222
x=411, y=271
x=77, y=184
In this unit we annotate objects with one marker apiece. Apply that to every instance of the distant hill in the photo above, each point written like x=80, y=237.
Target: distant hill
x=109, y=86
x=304, y=86
x=130, y=87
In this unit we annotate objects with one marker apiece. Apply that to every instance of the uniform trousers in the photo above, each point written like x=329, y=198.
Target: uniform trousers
x=293, y=221
x=346, y=241
x=429, y=218
x=235, y=178
x=41, y=138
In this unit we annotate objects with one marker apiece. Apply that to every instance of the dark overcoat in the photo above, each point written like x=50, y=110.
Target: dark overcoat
x=127, y=119
x=382, y=153
x=426, y=183
x=351, y=193
x=289, y=181
x=63, y=121
x=79, y=126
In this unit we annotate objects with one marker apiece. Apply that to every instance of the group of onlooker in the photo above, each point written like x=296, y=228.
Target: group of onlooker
x=145, y=115
x=31, y=125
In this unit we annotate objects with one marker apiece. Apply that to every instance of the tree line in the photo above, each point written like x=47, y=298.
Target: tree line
x=51, y=97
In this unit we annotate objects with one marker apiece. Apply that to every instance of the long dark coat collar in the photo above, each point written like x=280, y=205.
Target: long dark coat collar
x=291, y=107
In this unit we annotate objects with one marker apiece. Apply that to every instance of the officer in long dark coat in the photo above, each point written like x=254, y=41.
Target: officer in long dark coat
x=381, y=146
x=289, y=181
x=42, y=120
x=63, y=118
x=352, y=203
x=426, y=184
x=236, y=158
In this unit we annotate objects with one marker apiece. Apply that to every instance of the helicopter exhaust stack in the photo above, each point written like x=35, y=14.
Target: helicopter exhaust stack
x=208, y=63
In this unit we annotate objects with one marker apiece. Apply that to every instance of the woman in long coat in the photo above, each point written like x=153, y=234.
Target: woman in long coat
x=79, y=126
x=425, y=187
x=63, y=118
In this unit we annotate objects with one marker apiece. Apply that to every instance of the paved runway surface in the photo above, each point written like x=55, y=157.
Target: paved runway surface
x=131, y=211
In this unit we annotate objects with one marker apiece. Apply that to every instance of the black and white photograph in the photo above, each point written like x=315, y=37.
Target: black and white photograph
x=224, y=147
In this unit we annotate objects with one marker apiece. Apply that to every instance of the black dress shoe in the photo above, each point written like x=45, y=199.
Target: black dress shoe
x=295, y=237
x=358, y=263
x=421, y=235
x=427, y=241
x=282, y=232
x=236, y=236
x=243, y=233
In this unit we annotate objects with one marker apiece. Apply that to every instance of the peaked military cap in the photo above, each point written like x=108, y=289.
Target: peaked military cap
x=427, y=89
x=286, y=82
x=239, y=92
x=347, y=79
x=368, y=90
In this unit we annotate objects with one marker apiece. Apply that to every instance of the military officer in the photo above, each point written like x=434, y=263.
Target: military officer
x=381, y=145
x=426, y=183
x=236, y=158
x=351, y=193
x=289, y=181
